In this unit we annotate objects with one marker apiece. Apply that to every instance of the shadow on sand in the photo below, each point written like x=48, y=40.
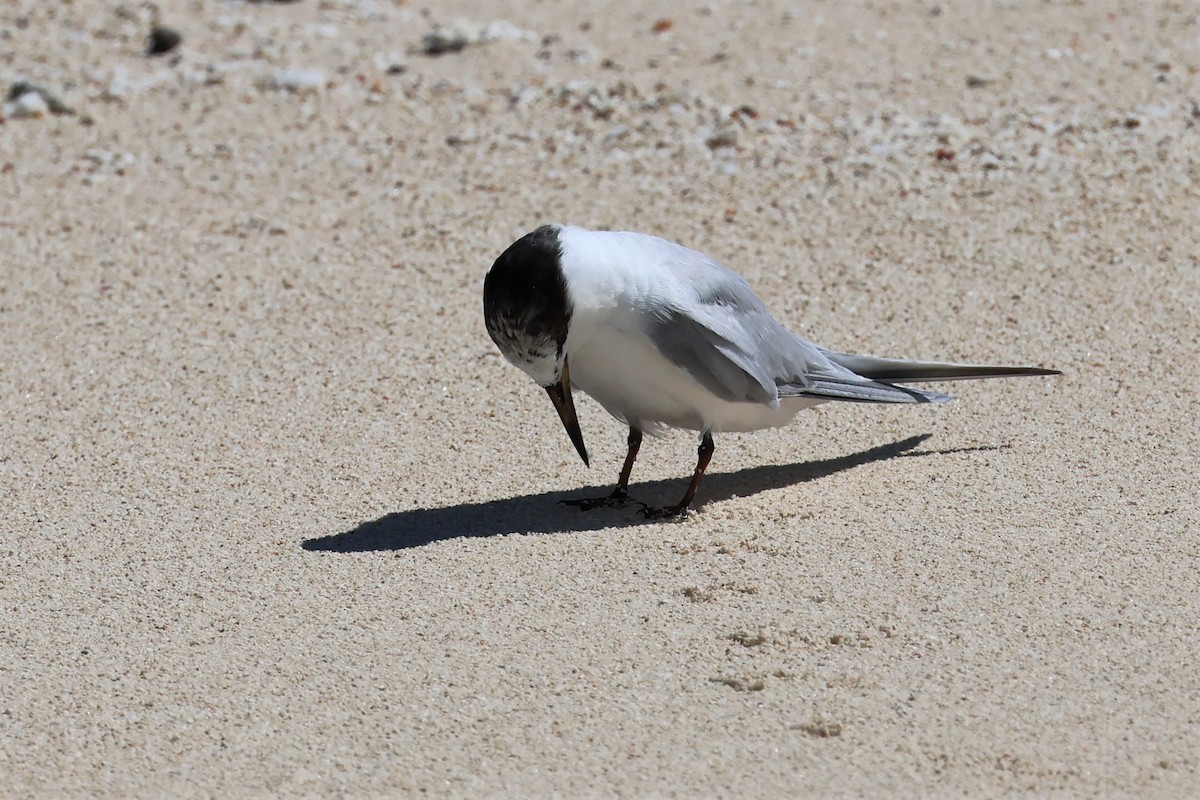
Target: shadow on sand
x=542, y=513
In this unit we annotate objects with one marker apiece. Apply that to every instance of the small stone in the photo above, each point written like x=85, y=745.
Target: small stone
x=443, y=40
x=28, y=105
x=724, y=136
x=977, y=81
x=297, y=80
x=822, y=730
x=614, y=134
x=748, y=639
x=21, y=89
x=503, y=30
x=163, y=40
x=741, y=685
x=462, y=137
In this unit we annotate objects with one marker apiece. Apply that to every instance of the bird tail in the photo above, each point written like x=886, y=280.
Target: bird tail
x=896, y=369
x=876, y=380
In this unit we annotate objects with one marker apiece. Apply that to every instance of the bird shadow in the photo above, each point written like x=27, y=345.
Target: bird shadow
x=543, y=513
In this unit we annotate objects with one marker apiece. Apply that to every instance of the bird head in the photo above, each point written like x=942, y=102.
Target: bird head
x=527, y=312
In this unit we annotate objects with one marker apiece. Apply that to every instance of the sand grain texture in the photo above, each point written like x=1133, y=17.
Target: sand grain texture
x=281, y=521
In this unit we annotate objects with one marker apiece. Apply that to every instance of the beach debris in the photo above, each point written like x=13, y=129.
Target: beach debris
x=297, y=81
x=25, y=99
x=748, y=639
x=162, y=40
x=389, y=63
x=504, y=31
x=460, y=138
x=741, y=684
x=28, y=105
x=724, y=136
x=820, y=729
x=443, y=39
x=458, y=36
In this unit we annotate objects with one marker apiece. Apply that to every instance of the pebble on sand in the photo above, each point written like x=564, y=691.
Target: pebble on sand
x=25, y=99
x=30, y=104
x=442, y=40
x=296, y=80
x=723, y=136
x=459, y=36
x=162, y=40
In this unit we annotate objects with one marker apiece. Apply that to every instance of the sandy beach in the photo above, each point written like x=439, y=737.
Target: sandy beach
x=280, y=520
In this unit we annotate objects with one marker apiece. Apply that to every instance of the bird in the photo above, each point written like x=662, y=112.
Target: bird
x=663, y=337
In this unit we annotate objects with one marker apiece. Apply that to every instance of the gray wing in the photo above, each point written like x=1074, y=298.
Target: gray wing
x=722, y=363
x=721, y=334
x=717, y=361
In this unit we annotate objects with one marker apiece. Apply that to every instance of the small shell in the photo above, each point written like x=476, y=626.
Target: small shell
x=297, y=80
x=30, y=104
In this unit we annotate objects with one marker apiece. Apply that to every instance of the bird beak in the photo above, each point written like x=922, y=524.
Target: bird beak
x=560, y=395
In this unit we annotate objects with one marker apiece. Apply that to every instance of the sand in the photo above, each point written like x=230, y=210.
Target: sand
x=280, y=521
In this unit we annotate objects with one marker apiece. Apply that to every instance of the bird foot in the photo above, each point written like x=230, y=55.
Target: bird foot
x=615, y=500
x=675, y=513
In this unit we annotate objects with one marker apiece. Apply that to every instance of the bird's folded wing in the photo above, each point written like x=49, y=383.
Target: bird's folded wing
x=716, y=353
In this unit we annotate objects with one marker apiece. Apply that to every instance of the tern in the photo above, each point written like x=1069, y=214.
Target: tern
x=662, y=336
